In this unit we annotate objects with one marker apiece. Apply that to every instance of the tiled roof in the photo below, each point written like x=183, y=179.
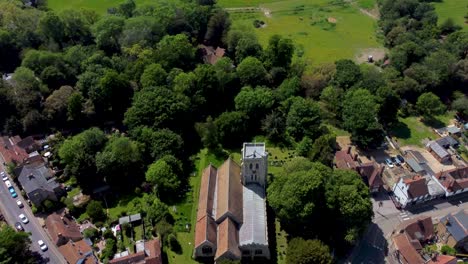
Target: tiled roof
x=205, y=230
x=373, y=172
x=454, y=179
x=443, y=259
x=447, y=141
x=420, y=228
x=414, y=165
x=344, y=160
x=77, y=252
x=457, y=224
x=62, y=226
x=229, y=192
x=33, y=177
x=12, y=152
x=228, y=239
x=416, y=186
x=136, y=258
x=153, y=252
x=207, y=192
x=438, y=149
x=253, y=229
x=407, y=253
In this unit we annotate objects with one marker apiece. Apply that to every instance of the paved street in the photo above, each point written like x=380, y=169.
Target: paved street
x=11, y=212
x=373, y=246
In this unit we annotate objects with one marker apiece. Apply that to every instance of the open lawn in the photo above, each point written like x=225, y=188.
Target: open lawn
x=412, y=131
x=323, y=30
x=100, y=6
x=455, y=9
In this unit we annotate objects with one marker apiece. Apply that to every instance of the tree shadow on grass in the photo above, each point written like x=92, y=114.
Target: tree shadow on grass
x=433, y=122
x=401, y=130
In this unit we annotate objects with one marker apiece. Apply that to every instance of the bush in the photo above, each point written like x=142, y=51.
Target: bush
x=174, y=243
x=258, y=23
x=108, y=234
x=91, y=233
x=95, y=211
x=447, y=250
x=110, y=249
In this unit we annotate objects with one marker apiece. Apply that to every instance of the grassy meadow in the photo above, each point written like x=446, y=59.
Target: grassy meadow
x=323, y=30
x=455, y=9
x=100, y=6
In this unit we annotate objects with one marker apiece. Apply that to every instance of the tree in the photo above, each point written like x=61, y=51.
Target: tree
x=389, y=103
x=218, y=27
x=55, y=106
x=274, y=126
x=302, y=251
x=461, y=105
x=126, y=8
x=78, y=154
x=157, y=108
x=141, y=32
x=52, y=27
x=15, y=246
x=360, y=117
x=251, y=71
x=347, y=73
x=429, y=105
x=208, y=133
x=449, y=26
x=114, y=92
x=157, y=143
x=156, y=211
x=75, y=106
x=163, y=175
x=77, y=26
x=333, y=98
x=232, y=128
x=447, y=250
x=95, y=211
x=296, y=194
x=26, y=90
x=154, y=75
x=110, y=249
x=303, y=119
x=279, y=51
x=175, y=51
x=255, y=103
x=288, y=88
x=248, y=46
x=120, y=162
x=91, y=233
x=323, y=149
x=107, y=32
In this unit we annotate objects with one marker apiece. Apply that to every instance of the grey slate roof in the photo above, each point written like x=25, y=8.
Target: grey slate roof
x=438, y=149
x=457, y=224
x=254, y=227
x=37, y=177
x=414, y=165
x=447, y=141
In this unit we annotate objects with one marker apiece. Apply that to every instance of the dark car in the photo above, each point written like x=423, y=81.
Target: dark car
x=396, y=161
x=400, y=158
x=19, y=227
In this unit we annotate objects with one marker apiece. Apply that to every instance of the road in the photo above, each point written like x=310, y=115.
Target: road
x=373, y=247
x=11, y=211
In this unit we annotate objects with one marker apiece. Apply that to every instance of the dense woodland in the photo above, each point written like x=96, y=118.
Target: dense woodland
x=132, y=102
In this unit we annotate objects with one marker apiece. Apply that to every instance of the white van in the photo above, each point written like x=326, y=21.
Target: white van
x=8, y=184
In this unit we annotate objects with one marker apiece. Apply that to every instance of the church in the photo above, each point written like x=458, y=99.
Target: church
x=231, y=216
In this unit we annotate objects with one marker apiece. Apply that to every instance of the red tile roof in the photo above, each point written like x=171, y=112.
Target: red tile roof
x=11, y=152
x=62, y=228
x=229, y=192
x=417, y=186
x=420, y=228
x=205, y=230
x=344, y=160
x=373, y=172
x=75, y=251
x=454, y=179
x=443, y=259
x=407, y=253
x=207, y=192
x=153, y=251
x=228, y=239
x=136, y=258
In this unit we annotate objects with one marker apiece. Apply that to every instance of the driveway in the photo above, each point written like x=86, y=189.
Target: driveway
x=433, y=163
x=11, y=211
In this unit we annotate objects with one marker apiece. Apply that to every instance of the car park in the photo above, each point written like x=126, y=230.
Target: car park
x=19, y=203
x=13, y=192
x=389, y=163
x=42, y=245
x=23, y=219
x=19, y=226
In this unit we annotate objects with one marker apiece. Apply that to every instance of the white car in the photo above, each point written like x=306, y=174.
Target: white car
x=19, y=203
x=23, y=219
x=4, y=176
x=42, y=245
x=8, y=184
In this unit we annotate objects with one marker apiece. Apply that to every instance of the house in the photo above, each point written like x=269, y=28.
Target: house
x=448, y=142
x=78, y=253
x=439, y=152
x=449, y=130
x=411, y=190
x=211, y=55
x=136, y=218
x=453, y=181
x=11, y=152
x=371, y=173
x=62, y=229
x=344, y=159
x=147, y=252
x=453, y=230
x=231, y=216
x=415, y=166
x=38, y=182
x=410, y=237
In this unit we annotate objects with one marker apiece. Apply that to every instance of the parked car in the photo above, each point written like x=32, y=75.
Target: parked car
x=23, y=219
x=395, y=161
x=389, y=163
x=13, y=192
x=4, y=176
x=19, y=227
x=19, y=203
x=8, y=184
x=400, y=158
x=42, y=245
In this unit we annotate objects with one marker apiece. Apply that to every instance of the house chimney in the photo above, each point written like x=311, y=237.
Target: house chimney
x=349, y=150
x=355, y=157
x=59, y=235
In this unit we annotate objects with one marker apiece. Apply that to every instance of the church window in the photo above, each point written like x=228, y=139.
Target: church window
x=207, y=250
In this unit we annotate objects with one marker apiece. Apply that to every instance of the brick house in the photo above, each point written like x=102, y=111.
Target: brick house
x=453, y=230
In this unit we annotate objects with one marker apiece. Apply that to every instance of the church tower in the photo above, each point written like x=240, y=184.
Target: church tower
x=254, y=163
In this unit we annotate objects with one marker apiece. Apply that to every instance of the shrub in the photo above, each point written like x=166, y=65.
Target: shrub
x=95, y=211
x=447, y=250
x=91, y=233
x=174, y=244
x=108, y=234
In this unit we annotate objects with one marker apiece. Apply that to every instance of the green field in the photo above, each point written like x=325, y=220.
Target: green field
x=100, y=6
x=455, y=9
x=323, y=30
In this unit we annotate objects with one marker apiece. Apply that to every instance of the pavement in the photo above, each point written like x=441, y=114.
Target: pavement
x=11, y=211
x=373, y=247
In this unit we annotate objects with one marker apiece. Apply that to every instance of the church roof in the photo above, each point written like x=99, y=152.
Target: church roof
x=253, y=229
